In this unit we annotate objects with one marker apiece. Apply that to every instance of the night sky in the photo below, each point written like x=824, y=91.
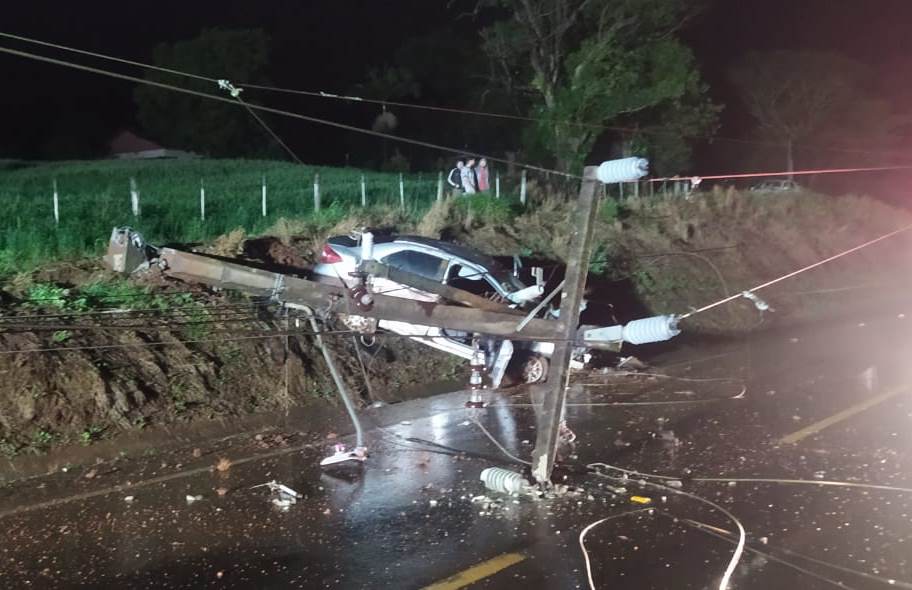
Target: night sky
x=330, y=45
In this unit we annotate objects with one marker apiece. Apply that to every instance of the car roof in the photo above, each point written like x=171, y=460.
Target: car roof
x=453, y=249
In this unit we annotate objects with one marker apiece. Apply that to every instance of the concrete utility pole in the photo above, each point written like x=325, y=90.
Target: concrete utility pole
x=550, y=416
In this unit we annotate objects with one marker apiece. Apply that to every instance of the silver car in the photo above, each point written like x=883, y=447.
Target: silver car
x=450, y=264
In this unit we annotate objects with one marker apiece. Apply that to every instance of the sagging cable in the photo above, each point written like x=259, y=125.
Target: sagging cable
x=585, y=531
x=725, y=582
x=724, y=535
x=762, y=480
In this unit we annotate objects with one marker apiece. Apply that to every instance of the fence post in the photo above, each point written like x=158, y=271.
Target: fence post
x=263, y=196
x=317, y=192
x=363, y=192
x=401, y=192
x=56, y=205
x=134, y=197
x=522, y=188
x=621, y=191
x=439, y=186
x=636, y=189
x=497, y=185
x=202, y=201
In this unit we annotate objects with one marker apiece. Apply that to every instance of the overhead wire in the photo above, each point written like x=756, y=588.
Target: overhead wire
x=451, y=110
x=734, y=176
x=371, y=132
x=265, y=109
x=796, y=272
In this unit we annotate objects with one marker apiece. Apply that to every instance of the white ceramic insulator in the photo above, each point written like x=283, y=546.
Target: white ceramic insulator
x=624, y=170
x=503, y=480
x=367, y=246
x=655, y=329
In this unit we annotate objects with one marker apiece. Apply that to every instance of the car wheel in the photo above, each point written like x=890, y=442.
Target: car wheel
x=368, y=342
x=534, y=369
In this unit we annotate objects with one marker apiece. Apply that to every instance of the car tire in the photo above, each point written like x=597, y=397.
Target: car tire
x=534, y=369
x=368, y=342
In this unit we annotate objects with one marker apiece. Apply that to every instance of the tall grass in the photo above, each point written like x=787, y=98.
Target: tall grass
x=94, y=196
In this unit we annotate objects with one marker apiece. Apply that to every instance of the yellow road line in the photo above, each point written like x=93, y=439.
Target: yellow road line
x=477, y=572
x=839, y=417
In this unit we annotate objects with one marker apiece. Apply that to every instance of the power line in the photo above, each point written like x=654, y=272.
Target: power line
x=108, y=57
x=370, y=132
x=453, y=110
x=797, y=272
x=317, y=120
x=113, y=313
x=785, y=173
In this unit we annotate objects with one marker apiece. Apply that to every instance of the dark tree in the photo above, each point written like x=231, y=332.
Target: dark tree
x=799, y=95
x=209, y=127
x=580, y=65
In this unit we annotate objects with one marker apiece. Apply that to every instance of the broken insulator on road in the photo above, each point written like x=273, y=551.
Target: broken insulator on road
x=504, y=481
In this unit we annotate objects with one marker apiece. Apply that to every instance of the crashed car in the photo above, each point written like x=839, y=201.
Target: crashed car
x=448, y=264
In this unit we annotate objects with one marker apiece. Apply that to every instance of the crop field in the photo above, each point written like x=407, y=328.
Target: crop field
x=94, y=196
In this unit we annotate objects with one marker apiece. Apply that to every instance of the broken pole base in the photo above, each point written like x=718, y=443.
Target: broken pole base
x=548, y=420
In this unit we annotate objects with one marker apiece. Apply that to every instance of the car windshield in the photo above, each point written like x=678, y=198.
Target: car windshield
x=499, y=274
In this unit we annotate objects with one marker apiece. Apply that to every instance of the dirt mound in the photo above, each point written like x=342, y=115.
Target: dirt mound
x=78, y=376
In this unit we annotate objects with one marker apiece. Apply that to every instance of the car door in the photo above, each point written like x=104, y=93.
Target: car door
x=417, y=262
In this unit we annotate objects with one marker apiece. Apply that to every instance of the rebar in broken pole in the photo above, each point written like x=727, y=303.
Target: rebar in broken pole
x=551, y=414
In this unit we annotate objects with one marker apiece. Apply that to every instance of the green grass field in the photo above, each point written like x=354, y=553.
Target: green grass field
x=94, y=196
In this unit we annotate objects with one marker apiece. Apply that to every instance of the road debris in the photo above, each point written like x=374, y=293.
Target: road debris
x=223, y=465
x=504, y=481
x=640, y=500
x=192, y=499
x=283, y=497
x=631, y=363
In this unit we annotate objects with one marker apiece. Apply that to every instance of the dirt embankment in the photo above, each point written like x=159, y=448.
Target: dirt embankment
x=73, y=370
x=671, y=255
x=197, y=354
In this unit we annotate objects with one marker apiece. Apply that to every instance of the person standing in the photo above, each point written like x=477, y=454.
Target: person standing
x=454, y=178
x=481, y=173
x=468, y=178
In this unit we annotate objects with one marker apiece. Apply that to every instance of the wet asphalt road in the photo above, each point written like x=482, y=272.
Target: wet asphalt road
x=412, y=515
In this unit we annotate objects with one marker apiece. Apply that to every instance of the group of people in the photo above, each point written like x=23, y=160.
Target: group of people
x=468, y=177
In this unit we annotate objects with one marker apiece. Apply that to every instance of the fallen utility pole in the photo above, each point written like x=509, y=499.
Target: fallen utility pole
x=335, y=298
x=551, y=414
x=379, y=270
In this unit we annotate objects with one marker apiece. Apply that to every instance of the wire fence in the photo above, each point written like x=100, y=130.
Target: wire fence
x=68, y=209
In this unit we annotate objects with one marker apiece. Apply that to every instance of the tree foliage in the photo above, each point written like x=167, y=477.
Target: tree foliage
x=198, y=124
x=579, y=65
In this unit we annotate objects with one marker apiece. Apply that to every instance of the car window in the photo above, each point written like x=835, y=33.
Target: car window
x=479, y=283
x=418, y=263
